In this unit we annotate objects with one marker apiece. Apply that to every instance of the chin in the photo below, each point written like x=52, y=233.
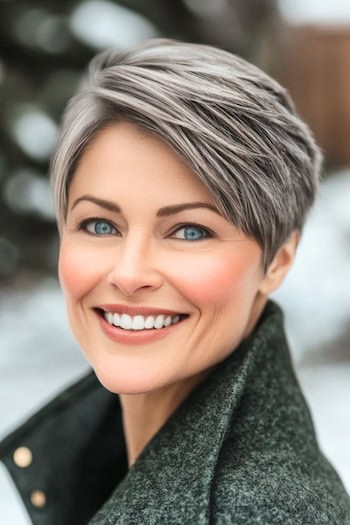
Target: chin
x=130, y=381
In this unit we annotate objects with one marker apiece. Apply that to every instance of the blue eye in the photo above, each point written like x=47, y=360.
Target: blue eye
x=98, y=227
x=192, y=233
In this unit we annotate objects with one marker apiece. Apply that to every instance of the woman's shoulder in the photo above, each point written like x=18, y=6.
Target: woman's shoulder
x=282, y=486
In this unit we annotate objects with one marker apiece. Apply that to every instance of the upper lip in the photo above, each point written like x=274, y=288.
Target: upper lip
x=136, y=310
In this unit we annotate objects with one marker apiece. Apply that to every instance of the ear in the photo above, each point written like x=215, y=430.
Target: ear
x=280, y=265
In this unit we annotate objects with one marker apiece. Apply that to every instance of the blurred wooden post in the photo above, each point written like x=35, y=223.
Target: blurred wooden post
x=314, y=64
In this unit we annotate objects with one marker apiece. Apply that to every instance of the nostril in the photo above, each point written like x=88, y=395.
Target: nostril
x=128, y=279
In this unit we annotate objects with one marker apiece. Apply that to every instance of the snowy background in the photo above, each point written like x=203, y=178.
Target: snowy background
x=39, y=356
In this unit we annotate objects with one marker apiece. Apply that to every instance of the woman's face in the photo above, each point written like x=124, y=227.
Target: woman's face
x=142, y=238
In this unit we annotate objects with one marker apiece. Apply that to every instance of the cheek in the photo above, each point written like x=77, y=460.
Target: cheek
x=212, y=280
x=78, y=271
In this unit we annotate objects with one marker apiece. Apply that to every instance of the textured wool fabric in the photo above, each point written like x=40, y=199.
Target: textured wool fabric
x=240, y=449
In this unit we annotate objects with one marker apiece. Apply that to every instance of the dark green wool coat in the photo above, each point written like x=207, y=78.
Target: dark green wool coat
x=240, y=449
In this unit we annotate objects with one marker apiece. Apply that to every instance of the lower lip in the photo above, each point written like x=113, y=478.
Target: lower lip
x=136, y=337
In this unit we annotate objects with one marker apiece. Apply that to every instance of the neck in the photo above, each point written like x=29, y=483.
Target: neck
x=144, y=414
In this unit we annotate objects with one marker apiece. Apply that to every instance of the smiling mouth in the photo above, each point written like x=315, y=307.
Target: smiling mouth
x=140, y=322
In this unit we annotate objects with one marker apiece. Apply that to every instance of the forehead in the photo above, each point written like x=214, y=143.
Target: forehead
x=124, y=160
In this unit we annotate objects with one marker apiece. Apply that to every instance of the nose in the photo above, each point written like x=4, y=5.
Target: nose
x=134, y=268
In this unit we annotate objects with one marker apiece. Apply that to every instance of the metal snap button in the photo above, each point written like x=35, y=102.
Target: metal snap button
x=23, y=457
x=38, y=499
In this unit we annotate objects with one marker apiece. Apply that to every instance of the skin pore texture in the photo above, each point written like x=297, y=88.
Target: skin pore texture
x=124, y=252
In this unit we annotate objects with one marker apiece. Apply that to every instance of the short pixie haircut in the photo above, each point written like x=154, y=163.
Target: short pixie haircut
x=232, y=124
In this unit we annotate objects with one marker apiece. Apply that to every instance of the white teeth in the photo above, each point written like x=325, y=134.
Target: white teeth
x=158, y=323
x=167, y=321
x=126, y=322
x=149, y=323
x=139, y=322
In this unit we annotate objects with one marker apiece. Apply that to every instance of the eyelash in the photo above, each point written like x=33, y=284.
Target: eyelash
x=208, y=233
x=82, y=226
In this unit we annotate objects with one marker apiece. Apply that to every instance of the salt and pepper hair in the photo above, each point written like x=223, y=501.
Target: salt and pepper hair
x=233, y=125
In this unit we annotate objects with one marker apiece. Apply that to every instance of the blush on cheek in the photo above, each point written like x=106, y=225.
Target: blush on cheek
x=77, y=271
x=213, y=280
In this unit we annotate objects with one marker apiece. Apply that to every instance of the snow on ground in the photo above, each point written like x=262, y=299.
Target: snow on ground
x=38, y=355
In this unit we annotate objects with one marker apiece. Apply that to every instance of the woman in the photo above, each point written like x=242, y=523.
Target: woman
x=182, y=178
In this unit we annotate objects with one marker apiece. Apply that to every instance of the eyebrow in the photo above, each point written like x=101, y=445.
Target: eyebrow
x=108, y=205
x=162, y=212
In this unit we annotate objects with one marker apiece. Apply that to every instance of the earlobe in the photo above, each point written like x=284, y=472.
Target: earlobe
x=280, y=264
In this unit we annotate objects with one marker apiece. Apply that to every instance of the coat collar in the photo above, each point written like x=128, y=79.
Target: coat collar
x=80, y=437
x=177, y=467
